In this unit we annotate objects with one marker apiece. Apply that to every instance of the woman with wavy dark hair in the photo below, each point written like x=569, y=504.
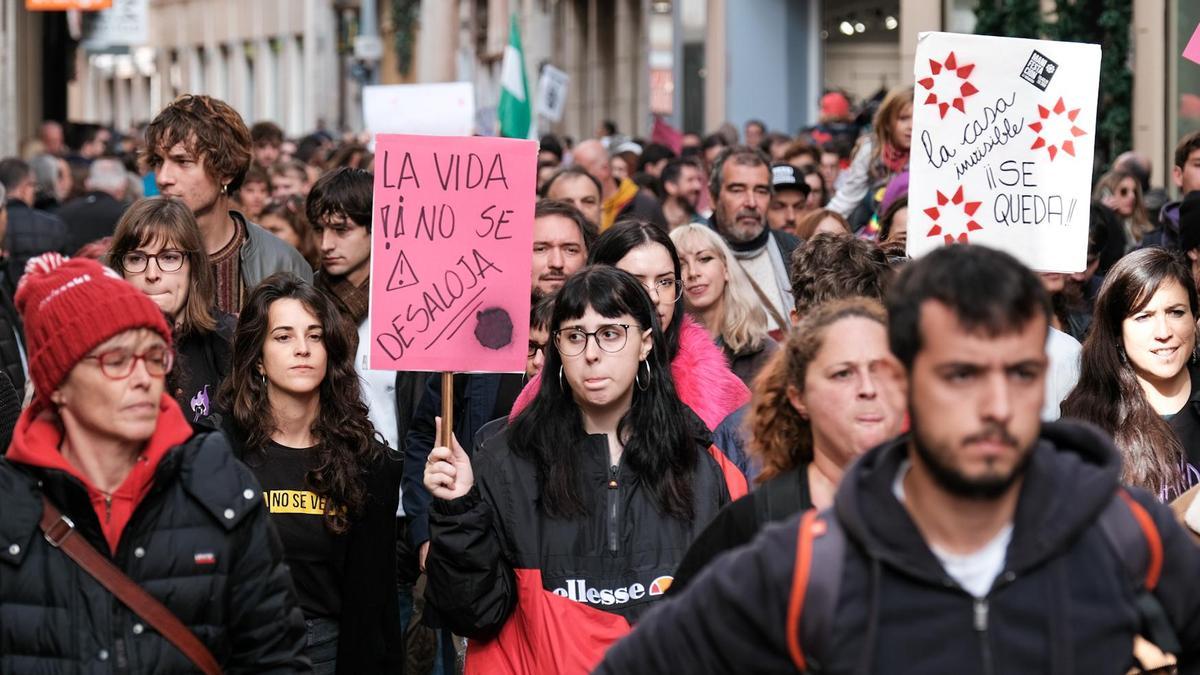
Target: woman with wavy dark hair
x=158, y=248
x=328, y=483
x=831, y=393
x=582, y=506
x=1138, y=375
x=699, y=371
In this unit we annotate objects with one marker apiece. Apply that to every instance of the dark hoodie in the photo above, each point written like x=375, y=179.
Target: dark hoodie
x=1062, y=604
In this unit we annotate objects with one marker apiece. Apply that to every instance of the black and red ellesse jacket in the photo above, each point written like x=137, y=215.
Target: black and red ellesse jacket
x=538, y=594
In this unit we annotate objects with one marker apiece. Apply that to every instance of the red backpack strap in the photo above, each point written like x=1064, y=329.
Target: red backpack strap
x=1137, y=544
x=816, y=582
x=804, y=546
x=1153, y=540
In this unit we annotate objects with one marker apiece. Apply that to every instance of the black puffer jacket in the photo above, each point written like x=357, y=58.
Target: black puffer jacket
x=199, y=542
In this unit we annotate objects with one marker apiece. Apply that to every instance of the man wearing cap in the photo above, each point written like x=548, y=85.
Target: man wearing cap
x=741, y=187
x=105, y=460
x=790, y=201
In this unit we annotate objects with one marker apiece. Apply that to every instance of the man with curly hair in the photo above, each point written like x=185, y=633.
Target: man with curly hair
x=199, y=149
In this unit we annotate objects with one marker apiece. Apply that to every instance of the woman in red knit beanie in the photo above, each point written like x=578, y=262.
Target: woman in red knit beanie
x=104, y=445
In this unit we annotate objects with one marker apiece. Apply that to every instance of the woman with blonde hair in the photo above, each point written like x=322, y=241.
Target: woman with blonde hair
x=831, y=393
x=1122, y=192
x=879, y=156
x=719, y=296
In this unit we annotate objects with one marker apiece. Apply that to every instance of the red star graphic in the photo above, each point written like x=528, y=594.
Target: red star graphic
x=968, y=208
x=950, y=65
x=1068, y=145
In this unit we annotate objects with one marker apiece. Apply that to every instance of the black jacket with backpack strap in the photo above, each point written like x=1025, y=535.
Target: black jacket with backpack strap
x=1066, y=600
x=199, y=543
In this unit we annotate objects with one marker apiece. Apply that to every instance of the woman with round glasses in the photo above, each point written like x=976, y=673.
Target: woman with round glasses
x=331, y=489
x=157, y=247
x=103, y=445
x=565, y=527
x=699, y=371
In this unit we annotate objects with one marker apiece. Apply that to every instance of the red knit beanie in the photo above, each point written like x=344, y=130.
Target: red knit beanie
x=69, y=307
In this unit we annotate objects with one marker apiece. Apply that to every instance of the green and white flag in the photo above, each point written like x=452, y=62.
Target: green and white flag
x=516, y=108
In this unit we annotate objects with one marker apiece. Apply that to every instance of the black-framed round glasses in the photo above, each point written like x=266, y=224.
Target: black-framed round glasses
x=168, y=260
x=535, y=347
x=610, y=338
x=117, y=364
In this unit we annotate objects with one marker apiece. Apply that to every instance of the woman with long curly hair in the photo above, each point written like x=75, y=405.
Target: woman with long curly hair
x=829, y=395
x=329, y=485
x=1138, y=375
x=581, y=508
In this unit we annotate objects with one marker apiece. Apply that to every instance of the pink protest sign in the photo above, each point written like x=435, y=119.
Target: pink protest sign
x=451, y=253
x=1192, y=51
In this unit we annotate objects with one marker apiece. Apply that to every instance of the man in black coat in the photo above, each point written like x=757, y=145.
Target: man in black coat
x=94, y=215
x=981, y=542
x=30, y=232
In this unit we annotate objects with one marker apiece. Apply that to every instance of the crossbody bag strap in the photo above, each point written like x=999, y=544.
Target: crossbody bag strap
x=60, y=533
x=768, y=305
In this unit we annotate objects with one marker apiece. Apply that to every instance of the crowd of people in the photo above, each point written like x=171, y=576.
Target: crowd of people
x=751, y=434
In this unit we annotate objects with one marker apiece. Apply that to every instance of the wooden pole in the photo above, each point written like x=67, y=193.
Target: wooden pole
x=447, y=410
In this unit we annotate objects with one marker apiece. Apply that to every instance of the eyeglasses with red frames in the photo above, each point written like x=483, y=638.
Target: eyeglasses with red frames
x=117, y=364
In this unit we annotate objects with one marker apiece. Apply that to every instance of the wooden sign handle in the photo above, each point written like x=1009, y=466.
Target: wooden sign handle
x=447, y=410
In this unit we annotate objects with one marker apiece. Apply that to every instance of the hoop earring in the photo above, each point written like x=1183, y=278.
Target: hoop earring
x=264, y=379
x=637, y=378
x=560, y=380
x=1196, y=356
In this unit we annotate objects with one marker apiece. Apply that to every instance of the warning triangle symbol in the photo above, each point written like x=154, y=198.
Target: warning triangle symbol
x=403, y=275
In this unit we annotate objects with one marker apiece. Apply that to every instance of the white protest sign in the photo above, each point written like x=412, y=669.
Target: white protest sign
x=1003, y=136
x=442, y=109
x=125, y=24
x=552, y=93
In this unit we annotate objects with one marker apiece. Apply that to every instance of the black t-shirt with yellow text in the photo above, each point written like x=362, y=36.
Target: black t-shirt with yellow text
x=315, y=555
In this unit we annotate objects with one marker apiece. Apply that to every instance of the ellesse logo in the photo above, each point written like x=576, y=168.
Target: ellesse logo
x=579, y=591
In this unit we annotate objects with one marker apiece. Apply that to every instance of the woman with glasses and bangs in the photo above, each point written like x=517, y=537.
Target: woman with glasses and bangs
x=157, y=247
x=698, y=369
x=564, y=527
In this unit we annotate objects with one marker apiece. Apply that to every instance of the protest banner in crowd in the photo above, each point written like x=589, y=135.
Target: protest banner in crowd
x=1003, y=136
x=450, y=261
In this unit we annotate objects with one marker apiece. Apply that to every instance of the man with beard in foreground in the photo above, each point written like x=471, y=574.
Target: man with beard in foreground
x=982, y=541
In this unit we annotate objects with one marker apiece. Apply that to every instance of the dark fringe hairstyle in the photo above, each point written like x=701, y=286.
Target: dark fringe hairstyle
x=660, y=445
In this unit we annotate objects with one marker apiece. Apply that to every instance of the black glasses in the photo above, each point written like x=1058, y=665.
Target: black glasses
x=535, y=347
x=610, y=338
x=168, y=260
x=672, y=288
x=117, y=364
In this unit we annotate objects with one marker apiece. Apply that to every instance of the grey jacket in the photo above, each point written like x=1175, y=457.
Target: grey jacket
x=264, y=254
